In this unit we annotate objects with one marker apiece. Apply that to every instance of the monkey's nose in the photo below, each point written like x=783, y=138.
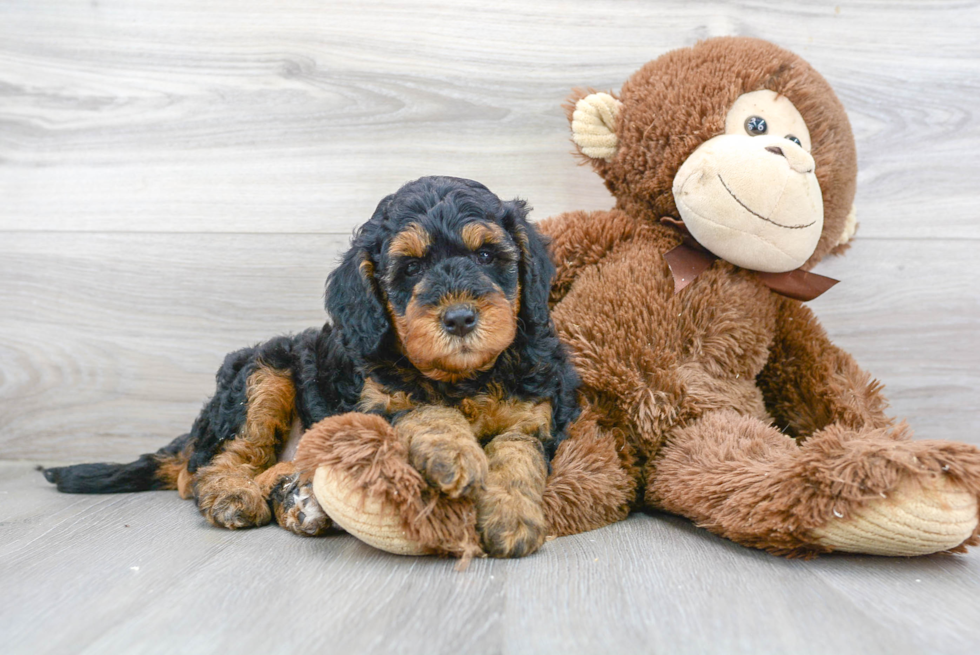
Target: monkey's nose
x=459, y=320
x=798, y=159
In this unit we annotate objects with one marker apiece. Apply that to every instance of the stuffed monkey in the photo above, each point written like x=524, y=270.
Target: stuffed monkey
x=709, y=389
x=734, y=170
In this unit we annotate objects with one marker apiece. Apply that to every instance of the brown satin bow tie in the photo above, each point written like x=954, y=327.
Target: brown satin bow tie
x=687, y=262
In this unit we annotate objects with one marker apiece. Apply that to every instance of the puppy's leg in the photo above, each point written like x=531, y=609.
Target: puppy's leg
x=226, y=491
x=442, y=447
x=292, y=501
x=510, y=513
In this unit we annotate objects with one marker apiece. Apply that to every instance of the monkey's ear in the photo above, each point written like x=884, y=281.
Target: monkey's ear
x=535, y=268
x=353, y=295
x=850, y=227
x=594, y=121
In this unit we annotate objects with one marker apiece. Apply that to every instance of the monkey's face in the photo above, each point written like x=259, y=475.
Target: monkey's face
x=751, y=195
x=453, y=294
x=738, y=138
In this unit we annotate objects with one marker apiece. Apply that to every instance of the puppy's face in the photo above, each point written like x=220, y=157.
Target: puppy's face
x=451, y=281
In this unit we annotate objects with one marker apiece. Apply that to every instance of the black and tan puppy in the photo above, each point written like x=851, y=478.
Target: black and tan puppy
x=440, y=324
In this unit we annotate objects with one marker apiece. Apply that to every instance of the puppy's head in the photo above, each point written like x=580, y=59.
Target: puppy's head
x=444, y=272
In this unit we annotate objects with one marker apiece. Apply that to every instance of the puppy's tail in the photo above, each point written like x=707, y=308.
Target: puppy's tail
x=159, y=470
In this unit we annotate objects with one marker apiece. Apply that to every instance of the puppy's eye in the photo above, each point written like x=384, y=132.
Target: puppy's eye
x=484, y=255
x=756, y=125
x=412, y=268
x=794, y=140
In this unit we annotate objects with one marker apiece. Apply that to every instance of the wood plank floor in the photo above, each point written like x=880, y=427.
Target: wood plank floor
x=177, y=178
x=144, y=573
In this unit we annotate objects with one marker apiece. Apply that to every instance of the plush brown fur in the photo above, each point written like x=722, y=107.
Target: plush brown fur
x=432, y=468
x=693, y=399
x=377, y=459
x=594, y=479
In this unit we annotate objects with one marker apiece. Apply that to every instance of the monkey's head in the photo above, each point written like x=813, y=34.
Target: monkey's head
x=741, y=140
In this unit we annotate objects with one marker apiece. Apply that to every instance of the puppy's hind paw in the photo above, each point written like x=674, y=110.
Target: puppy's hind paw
x=297, y=510
x=231, y=502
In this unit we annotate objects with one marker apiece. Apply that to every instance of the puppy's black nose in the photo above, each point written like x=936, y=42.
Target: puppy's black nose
x=459, y=320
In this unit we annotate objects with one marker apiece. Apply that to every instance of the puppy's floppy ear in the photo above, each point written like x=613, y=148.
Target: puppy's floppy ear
x=536, y=268
x=353, y=296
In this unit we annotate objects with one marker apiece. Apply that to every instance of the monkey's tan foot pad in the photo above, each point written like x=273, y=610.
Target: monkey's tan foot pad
x=369, y=518
x=912, y=520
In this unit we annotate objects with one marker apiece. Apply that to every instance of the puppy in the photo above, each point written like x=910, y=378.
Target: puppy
x=440, y=324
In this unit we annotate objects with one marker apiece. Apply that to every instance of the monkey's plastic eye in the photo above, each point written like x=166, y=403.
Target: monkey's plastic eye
x=412, y=268
x=756, y=125
x=794, y=140
x=484, y=255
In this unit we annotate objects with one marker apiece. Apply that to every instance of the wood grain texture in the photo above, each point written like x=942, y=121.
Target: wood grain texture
x=297, y=117
x=144, y=573
x=109, y=342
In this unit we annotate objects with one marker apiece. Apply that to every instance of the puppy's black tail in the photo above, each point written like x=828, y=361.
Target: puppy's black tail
x=159, y=470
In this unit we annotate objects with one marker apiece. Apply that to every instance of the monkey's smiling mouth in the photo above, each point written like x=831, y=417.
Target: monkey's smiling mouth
x=757, y=214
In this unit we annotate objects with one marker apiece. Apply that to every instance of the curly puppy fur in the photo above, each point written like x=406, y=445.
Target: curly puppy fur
x=440, y=325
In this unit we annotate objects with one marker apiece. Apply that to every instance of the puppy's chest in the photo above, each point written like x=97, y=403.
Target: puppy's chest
x=489, y=414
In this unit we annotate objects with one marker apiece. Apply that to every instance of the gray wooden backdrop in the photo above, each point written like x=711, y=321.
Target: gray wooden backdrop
x=177, y=178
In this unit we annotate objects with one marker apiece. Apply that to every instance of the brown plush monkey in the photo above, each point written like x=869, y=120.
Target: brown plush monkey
x=707, y=390
x=727, y=402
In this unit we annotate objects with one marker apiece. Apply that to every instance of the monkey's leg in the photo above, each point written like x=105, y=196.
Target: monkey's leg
x=510, y=512
x=226, y=490
x=360, y=469
x=861, y=490
x=593, y=479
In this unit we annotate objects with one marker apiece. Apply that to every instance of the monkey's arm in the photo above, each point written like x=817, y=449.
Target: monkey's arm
x=580, y=239
x=809, y=383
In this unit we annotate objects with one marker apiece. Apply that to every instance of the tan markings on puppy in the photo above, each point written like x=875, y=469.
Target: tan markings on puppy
x=270, y=477
x=413, y=241
x=185, y=484
x=492, y=413
x=442, y=447
x=366, y=268
x=477, y=235
x=173, y=472
x=226, y=492
x=510, y=513
x=446, y=358
x=375, y=398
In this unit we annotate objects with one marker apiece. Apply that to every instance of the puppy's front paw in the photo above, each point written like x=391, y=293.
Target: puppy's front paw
x=456, y=466
x=296, y=508
x=231, y=501
x=510, y=524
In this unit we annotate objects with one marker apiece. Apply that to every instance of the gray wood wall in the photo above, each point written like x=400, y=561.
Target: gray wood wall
x=178, y=177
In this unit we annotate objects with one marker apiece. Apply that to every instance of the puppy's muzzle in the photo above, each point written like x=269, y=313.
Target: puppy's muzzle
x=459, y=320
